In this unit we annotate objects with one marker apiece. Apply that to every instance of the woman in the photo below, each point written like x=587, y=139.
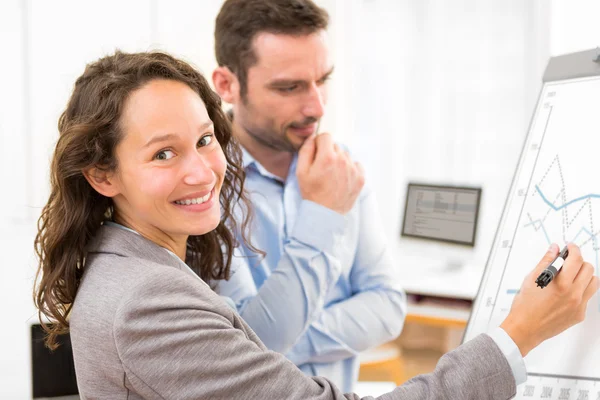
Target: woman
x=144, y=176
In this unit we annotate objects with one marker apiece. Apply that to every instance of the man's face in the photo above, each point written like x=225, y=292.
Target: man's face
x=286, y=90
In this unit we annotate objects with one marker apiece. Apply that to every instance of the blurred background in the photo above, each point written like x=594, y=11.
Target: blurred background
x=431, y=91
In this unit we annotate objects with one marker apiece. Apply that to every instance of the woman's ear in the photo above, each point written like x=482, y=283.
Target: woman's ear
x=102, y=181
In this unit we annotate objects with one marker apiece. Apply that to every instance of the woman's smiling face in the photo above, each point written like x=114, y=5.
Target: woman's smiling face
x=170, y=165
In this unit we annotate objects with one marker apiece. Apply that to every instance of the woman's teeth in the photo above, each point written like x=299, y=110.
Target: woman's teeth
x=198, y=200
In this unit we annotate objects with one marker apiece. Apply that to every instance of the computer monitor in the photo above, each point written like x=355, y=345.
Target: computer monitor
x=444, y=213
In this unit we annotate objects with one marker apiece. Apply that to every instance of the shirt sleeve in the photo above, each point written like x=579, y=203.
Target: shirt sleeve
x=373, y=315
x=294, y=294
x=512, y=354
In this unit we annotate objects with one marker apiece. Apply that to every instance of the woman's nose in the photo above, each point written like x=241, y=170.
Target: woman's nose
x=198, y=171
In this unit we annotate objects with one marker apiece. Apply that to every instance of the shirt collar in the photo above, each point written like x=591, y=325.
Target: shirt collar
x=247, y=159
x=250, y=163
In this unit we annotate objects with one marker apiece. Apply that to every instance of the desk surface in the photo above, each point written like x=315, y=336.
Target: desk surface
x=433, y=279
x=460, y=283
x=438, y=315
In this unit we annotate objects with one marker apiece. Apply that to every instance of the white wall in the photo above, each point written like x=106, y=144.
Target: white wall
x=444, y=93
x=574, y=25
x=15, y=239
x=415, y=93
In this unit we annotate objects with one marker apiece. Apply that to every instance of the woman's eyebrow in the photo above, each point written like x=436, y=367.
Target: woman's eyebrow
x=171, y=136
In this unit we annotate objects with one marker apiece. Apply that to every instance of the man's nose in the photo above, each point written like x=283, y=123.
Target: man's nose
x=315, y=103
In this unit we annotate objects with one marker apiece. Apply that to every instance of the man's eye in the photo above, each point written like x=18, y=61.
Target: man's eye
x=205, y=140
x=164, y=155
x=288, y=89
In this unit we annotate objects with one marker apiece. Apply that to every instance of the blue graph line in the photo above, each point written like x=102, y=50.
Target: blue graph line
x=555, y=208
x=582, y=230
x=586, y=231
x=512, y=291
x=543, y=229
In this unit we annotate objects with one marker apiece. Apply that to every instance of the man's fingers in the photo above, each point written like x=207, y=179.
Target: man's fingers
x=306, y=155
x=324, y=144
x=360, y=174
x=359, y=168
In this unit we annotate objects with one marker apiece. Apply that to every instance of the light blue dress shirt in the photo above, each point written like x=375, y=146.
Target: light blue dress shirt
x=327, y=288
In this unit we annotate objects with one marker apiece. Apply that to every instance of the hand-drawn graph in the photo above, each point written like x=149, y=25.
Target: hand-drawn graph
x=573, y=217
x=555, y=198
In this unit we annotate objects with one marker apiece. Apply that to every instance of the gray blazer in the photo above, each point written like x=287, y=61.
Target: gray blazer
x=144, y=326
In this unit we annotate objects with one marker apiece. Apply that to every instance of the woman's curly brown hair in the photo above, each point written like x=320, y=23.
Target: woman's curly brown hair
x=89, y=131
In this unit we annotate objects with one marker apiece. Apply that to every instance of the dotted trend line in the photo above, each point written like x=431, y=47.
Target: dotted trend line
x=585, y=203
x=548, y=170
x=550, y=208
x=592, y=237
x=566, y=223
x=564, y=189
x=541, y=221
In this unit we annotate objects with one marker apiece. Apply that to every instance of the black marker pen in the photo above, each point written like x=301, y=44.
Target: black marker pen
x=551, y=270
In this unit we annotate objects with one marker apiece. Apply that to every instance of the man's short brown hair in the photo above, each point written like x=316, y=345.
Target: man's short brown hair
x=239, y=21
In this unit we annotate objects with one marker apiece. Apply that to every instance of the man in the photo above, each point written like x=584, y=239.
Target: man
x=326, y=289
x=320, y=229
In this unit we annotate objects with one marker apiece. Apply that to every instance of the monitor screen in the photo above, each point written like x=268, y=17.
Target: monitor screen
x=446, y=213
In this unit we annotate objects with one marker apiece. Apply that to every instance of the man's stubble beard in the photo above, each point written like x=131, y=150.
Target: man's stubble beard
x=270, y=138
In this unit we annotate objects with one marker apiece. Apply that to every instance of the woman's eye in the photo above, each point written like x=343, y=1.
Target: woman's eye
x=164, y=155
x=205, y=140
